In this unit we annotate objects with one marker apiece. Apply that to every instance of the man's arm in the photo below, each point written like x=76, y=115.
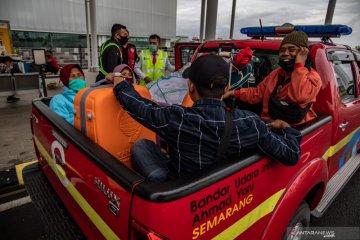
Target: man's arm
x=250, y=95
x=284, y=148
x=137, y=68
x=142, y=110
x=304, y=85
x=169, y=66
x=254, y=94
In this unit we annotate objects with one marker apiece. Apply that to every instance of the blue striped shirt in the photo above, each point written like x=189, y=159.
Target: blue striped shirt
x=193, y=134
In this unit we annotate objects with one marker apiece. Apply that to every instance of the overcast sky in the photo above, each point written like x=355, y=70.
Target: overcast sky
x=272, y=12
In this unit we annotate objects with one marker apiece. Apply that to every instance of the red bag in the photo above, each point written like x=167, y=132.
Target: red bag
x=243, y=58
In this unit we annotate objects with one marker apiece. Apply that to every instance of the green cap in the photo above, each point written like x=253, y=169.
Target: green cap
x=298, y=38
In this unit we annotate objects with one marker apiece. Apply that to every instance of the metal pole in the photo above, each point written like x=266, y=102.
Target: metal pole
x=330, y=12
x=87, y=34
x=202, y=18
x=211, y=17
x=43, y=81
x=94, y=49
x=232, y=19
x=80, y=54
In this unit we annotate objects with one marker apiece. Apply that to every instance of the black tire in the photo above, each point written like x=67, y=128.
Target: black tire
x=299, y=221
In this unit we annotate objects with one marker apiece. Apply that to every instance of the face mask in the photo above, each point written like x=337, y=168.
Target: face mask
x=129, y=80
x=287, y=64
x=77, y=84
x=123, y=40
x=152, y=48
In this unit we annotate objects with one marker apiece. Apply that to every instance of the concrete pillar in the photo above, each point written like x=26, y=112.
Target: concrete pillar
x=211, y=18
x=94, y=50
x=232, y=19
x=202, y=18
x=87, y=33
x=330, y=12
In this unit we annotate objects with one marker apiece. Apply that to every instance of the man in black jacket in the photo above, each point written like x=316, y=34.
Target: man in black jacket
x=110, y=53
x=205, y=133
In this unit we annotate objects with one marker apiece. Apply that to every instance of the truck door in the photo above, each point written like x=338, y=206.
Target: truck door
x=184, y=53
x=346, y=130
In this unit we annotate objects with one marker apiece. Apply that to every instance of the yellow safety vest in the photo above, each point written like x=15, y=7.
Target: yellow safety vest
x=149, y=69
x=102, y=49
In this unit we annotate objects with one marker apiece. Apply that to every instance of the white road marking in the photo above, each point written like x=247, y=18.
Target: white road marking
x=15, y=203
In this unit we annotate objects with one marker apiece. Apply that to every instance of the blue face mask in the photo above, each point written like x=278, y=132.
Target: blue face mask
x=152, y=48
x=77, y=84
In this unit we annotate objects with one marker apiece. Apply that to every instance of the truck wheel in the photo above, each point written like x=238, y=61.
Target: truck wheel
x=299, y=222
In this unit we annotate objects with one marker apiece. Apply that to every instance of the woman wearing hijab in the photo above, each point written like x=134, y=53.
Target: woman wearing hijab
x=124, y=71
x=73, y=79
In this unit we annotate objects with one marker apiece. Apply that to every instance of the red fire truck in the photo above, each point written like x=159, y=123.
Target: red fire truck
x=253, y=197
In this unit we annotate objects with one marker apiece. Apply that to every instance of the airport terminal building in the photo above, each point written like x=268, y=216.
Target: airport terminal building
x=60, y=25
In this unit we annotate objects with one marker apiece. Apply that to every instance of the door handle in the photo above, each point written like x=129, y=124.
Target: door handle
x=343, y=125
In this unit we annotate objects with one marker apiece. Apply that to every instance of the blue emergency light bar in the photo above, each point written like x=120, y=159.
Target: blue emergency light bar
x=310, y=30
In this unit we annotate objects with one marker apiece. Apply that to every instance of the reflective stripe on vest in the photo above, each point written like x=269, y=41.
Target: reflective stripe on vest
x=102, y=49
x=149, y=69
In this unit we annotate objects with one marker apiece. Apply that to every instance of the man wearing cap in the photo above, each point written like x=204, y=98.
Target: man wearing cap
x=288, y=92
x=207, y=132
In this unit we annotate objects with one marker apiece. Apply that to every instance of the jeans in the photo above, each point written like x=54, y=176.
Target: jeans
x=150, y=162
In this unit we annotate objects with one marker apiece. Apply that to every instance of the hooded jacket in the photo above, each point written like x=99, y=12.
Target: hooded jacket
x=63, y=104
x=121, y=67
x=301, y=90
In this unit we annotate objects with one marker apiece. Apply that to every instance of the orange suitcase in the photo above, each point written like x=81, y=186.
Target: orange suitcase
x=100, y=116
x=187, y=101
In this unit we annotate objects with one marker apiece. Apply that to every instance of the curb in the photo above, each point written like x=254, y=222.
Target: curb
x=13, y=176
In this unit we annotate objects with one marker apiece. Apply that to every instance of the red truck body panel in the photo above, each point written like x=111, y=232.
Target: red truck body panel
x=252, y=197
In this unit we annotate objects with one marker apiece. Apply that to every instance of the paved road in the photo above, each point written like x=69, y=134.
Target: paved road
x=16, y=144
x=345, y=211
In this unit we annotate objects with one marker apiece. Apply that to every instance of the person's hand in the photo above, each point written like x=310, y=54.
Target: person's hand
x=302, y=55
x=117, y=80
x=228, y=94
x=110, y=77
x=147, y=79
x=278, y=124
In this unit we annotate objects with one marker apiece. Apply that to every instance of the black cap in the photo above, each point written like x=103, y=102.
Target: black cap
x=205, y=68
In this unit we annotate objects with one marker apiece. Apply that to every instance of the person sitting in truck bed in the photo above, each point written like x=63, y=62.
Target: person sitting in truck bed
x=123, y=70
x=288, y=92
x=194, y=134
x=73, y=78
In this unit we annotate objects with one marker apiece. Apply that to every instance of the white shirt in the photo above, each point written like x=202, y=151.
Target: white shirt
x=141, y=75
